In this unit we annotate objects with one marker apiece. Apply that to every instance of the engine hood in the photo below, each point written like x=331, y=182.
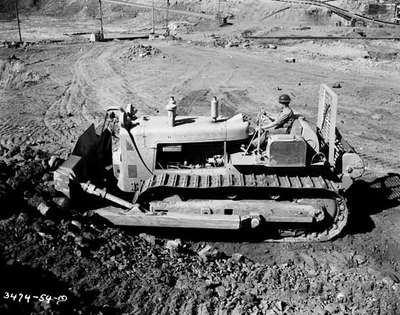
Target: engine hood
x=189, y=129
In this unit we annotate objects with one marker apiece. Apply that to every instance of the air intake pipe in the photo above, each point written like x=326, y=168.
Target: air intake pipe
x=214, y=109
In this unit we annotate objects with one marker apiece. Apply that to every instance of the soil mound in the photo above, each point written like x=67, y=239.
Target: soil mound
x=139, y=51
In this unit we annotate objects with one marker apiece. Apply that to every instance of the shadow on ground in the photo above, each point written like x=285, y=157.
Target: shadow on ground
x=371, y=196
x=25, y=289
x=31, y=290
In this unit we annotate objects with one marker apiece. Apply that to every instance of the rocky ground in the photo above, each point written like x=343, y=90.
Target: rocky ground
x=58, y=258
x=78, y=265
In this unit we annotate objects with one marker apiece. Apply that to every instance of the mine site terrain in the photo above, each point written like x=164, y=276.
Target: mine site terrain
x=56, y=83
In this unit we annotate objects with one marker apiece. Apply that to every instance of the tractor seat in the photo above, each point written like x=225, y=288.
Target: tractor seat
x=301, y=128
x=296, y=129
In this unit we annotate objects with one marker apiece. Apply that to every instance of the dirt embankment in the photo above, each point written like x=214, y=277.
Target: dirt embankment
x=66, y=8
x=7, y=6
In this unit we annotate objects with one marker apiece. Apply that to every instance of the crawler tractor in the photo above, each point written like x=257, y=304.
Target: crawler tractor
x=200, y=172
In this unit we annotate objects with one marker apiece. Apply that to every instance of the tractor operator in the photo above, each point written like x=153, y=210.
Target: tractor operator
x=285, y=117
x=278, y=124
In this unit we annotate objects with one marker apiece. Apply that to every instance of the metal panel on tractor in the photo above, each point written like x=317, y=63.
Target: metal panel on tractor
x=327, y=111
x=286, y=150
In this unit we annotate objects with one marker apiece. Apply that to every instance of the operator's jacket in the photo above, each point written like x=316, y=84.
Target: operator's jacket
x=284, y=122
x=285, y=118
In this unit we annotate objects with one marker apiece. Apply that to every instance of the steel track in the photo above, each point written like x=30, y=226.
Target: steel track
x=175, y=183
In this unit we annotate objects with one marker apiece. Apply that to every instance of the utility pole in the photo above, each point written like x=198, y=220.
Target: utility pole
x=166, y=19
x=101, y=21
x=19, y=26
x=397, y=13
x=219, y=14
x=153, y=29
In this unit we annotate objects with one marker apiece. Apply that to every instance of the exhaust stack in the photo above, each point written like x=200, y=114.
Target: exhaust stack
x=171, y=108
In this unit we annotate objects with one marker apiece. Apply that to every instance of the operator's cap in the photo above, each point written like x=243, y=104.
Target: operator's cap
x=284, y=99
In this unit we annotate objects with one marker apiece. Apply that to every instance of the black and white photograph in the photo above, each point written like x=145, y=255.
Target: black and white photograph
x=200, y=157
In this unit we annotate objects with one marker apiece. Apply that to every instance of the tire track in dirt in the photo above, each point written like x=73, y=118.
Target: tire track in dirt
x=199, y=87
x=63, y=118
x=15, y=132
x=229, y=72
x=203, y=82
x=374, y=162
x=81, y=102
x=26, y=90
x=191, y=88
x=96, y=85
x=103, y=74
x=23, y=122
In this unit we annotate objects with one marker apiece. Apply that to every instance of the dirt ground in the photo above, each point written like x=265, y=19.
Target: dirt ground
x=50, y=92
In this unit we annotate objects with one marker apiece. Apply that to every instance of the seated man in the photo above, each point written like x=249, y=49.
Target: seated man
x=278, y=124
x=285, y=117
